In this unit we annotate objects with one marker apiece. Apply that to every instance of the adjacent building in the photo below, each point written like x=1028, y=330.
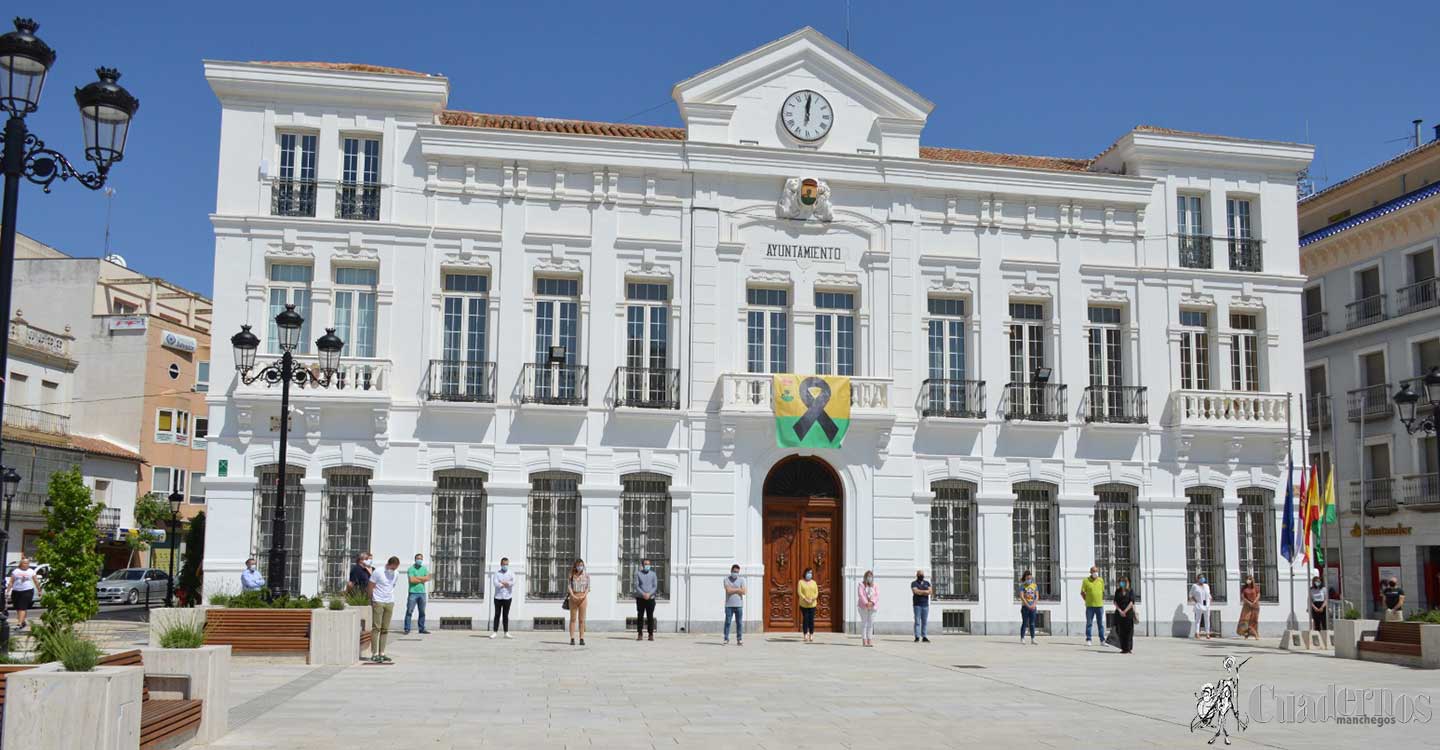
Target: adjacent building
x=1371, y=325
x=562, y=339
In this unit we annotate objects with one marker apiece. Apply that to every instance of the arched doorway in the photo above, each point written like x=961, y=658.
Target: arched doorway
x=803, y=500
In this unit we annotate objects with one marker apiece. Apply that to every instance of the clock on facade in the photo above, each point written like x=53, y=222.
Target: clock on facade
x=807, y=115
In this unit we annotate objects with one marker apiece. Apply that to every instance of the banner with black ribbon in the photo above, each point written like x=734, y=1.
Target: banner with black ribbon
x=811, y=411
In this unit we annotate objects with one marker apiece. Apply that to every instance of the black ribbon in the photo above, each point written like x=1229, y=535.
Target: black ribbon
x=815, y=409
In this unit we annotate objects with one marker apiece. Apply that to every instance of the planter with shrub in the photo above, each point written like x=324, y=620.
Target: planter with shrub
x=69, y=702
x=335, y=633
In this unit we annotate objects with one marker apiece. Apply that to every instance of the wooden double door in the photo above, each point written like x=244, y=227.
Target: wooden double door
x=800, y=533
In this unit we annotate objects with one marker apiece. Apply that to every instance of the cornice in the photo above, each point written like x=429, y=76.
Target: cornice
x=235, y=82
x=1407, y=226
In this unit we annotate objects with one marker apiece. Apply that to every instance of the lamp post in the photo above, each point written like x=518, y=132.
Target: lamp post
x=1407, y=399
x=284, y=371
x=176, y=499
x=10, y=486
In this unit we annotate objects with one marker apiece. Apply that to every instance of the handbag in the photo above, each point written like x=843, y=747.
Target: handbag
x=565, y=604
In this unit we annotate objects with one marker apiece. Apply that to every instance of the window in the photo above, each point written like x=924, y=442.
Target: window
x=121, y=307
x=202, y=432
x=1195, y=350
x=1204, y=545
x=557, y=323
x=202, y=377
x=1244, y=353
x=165, y=480
x=458, y=554
x=644, y=530
x=767, y=326
x=266, y=502
x=554, y=532
x=1237, y=218
x=1426, y=356
x=1312, y=301
x=289, y=284
x=1421, y=265
x=345, y=521
x=197, y=488
x=172, y=426
x=835, y=333
x=355, y=310
x=358, y=196
x=647, y=345
x=1190, y=218
x=952, y=540
x=1027, y=340
x=945, y=334
x=1116, y=532
x=1032, y=527
x=466, y=311
x=294, y=189
x=1256, y=552
x=102, y=491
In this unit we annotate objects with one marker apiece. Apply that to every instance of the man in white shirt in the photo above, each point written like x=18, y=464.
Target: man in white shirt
x=503, y=583
x=382, y=608
x=1200, y=605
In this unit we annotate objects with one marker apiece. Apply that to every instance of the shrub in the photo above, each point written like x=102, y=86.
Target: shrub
x=357, y=598
x=68, y=545
x=1432, y=617
x=182, y=635
x=258, y=600
x=63, y=644
x=1351, y=614
x=337, y=604
x=221, y=599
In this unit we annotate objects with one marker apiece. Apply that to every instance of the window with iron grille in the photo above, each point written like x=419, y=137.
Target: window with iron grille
x=554, y=532
x=1256, y=551
x=1033, y=527
x=345, y=528
x=457, y=555
x=265, y=506
x=1204, y=540
x=835, y=333
x=644, y=530
x=1116, y=532
x=952, y=540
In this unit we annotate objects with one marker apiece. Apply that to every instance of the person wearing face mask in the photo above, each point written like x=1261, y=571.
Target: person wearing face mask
x=360, y=572
x=735, y=605
x=1394, y=598
x=647, y=584
x=867, y=597
x=809, y=594
x=1029, y=601
x=1124, y=617
x=579, y=591
x=418, y=576
x=503, y=584
x=382, y=608
x=1249, y=626
x=920, y=599
x=1319, y=598
x=1092, y=591
x=250, y=578
x=1200, y=606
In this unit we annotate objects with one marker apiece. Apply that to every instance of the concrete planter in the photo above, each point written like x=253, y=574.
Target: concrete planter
x=208, y=670
x=55, y=710
x=335, y=636
x=1347, y=635
x=1430, y=646
x=163, y=619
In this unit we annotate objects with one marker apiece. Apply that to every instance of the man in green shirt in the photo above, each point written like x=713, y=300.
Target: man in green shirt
x=1092, y=590
x=419, y=576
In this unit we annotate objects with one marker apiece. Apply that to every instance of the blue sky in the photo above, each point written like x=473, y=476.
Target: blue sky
x=1062, y=78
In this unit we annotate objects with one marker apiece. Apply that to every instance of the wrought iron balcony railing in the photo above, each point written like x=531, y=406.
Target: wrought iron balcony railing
x=356, y=201
x=1377, y=495
x=952, y=399
x=35, y=419
x=1317, y=411
x=556, y=385
x=1246, y=255
x=1421, y=491
x=1370, y=403
x=1364, y=312
x=1315, y=326
x=1035, y=402
x=290, y=197
x=1116, y=404
x=1422, y=295
x=647, y=388
x=452, y=380
x=1196, y=251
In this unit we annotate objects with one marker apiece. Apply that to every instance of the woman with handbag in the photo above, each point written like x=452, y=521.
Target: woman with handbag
x=1124, y=617
x=578, y=591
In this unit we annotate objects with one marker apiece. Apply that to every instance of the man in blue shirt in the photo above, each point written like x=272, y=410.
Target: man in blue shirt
x=250, y=578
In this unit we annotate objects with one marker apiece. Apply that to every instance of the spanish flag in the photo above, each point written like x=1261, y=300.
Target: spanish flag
x=811, y=411
x=1312, y=517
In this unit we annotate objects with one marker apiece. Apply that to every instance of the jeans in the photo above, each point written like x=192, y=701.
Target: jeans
x=922, y=620
x=1027, y=620
x=502, y=614
x=644, y=615
x=416, y=599
x=867, y=624
x=807, y=620
x=735, y=612
x=380, y=614
x=1096, y=614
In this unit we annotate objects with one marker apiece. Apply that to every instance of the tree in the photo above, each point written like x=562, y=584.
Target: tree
x=151, y=512
x=68, y=546
x=191, y=578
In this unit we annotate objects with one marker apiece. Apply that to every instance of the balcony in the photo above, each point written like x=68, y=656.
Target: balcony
x=357, y=202
x=1116, y=404
x=1370, y=403
x=647, y=388
x=289, y=197
x=1364, y=312
x=1422, y=295
x=39, y=421
x=108, y=522
x=1378, y=496
x=750, y=393
x=1226, y=410
x=1315, y=326
x=462, y=382
x=1317, y=411
x=1420, y=491
x=1245, y=255
x=354, y=377
x=1196, y=251
x=1034, y=402
x=555, y=385
x=942, y=398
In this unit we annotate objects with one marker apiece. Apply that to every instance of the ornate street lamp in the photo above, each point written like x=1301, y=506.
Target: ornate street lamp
x=176, y=500
x=10, y=487
x=288, y=325
x=1407, y=399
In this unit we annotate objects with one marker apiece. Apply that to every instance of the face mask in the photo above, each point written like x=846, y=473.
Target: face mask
x=808, y=576
x=1093, y=574
x=252, y=568
x=504, y=568
x=868, y=579
x=1026, y=581
x=733, y=574
x=1202, y=580
x=579, y=568
x=418, y=563
x=1123, y=585
x=644, y=568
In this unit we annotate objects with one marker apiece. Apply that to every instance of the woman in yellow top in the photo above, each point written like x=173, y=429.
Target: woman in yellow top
x=809, y=593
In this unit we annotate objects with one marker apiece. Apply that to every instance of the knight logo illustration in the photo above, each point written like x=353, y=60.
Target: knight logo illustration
x=811, y=411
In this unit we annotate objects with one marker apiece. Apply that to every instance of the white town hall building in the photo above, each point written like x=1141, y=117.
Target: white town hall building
x=560, y=337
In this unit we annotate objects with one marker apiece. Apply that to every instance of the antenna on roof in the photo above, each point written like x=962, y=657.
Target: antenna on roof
x=847, y=24
x=109, y=203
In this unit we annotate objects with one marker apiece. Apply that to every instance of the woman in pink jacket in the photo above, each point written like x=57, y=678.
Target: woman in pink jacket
x=868, y=597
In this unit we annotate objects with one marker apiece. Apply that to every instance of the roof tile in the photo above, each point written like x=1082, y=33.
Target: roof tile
x=342, y=67
x=549, y=125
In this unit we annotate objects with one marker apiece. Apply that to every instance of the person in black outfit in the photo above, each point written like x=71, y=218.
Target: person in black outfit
x=1124, y=617
x=360, y=573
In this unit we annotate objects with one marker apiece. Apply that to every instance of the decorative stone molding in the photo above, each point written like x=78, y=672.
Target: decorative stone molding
x=466, y=257
x=355, y=251
x=793, y=206
x=841, y=279
x=290, y=247
x=767, y=276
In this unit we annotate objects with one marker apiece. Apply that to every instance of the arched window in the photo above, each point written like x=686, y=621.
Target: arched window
x=554, y=532
x=1116, y=533
x=1256, y=551
x=1033, y=529
x=952, y=540
x=265, y=507
x=1204, y=539
x=345, y=523
x=457, y=552
x=644, y=530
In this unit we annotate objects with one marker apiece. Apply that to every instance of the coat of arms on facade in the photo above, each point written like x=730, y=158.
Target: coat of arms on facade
x=805, y=198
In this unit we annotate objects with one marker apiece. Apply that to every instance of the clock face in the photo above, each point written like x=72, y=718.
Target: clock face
x=807, y=115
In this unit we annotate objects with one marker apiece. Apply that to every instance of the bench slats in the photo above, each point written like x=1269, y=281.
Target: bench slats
x=259, y=631
x=1394, y=638
x=163, y=720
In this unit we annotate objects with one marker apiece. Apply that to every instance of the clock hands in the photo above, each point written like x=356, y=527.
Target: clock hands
x=807, y=108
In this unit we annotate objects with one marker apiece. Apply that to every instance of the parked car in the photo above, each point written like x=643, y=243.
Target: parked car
x=129, y=585
x=42, y=571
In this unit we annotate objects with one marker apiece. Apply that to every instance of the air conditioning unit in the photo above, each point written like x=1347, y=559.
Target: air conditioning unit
x=548, y=623
x=955, y=621
x=456, y=623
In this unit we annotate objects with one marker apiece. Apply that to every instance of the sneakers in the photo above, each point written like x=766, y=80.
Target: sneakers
x=493, y=636
x=640, y=636
x=1033, y=643
x=424, y=632
x=652, y=636
x=1088, y=643
x=572, y=641
x=917, y=639
x=405, y=632
x=739, y=642
x=507, y=634
x=925, y=640
x=582, y=641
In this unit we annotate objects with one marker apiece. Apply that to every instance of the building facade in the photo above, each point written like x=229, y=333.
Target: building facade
x=1371, y=325
x=561, y=338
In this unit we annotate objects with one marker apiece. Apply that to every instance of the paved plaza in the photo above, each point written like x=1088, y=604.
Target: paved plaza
x=460, y=690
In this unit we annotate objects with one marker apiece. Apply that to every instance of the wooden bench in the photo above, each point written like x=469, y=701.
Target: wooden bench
x=1402, y=638
x=166, y=722
x=259, y=631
